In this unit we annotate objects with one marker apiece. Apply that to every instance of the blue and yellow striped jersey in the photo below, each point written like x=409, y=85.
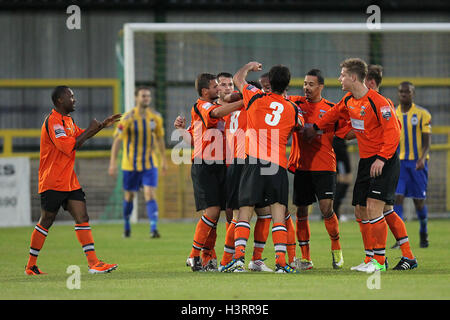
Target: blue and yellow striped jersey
x=138, y=135
x=415, y=122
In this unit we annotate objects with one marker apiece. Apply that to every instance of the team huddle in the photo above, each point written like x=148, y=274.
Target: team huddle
x=240, y=131
x=239, y=165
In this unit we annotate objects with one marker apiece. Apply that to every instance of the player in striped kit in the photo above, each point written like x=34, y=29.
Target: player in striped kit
x=141, y=132
x=415, y=142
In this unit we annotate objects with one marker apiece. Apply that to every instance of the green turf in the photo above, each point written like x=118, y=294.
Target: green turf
x=155, y=268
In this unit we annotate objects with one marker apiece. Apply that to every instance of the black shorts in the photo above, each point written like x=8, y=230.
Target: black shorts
x=263, y=184
x=208, y=181
x=380, y=188
x=234, y=172
x=52, y=200
x=310, y=186
x=342, y=156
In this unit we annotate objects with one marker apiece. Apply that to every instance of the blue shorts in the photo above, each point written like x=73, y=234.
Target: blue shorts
x=412, y=183
x=133, y=180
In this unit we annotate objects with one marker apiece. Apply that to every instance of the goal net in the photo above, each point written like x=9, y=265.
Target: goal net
x=168, y=57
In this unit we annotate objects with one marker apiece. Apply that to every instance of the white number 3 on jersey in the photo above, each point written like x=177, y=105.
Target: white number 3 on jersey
x=272, y=119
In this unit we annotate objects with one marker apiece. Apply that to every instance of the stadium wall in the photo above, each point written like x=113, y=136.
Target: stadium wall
x=40, y=46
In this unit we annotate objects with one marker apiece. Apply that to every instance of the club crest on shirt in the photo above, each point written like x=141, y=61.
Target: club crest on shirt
x=414, y=120
x=206, y=106
x=363, y=111
x=59, y=131
x=252, y=88
x=152, y=124
x=386, y=112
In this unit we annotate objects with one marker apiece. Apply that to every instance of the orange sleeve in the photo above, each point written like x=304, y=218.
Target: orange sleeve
x=344, y=127
x=205, y=110
x=391, y=130
x=333, y=115
x=58, y=136
x=78, y=131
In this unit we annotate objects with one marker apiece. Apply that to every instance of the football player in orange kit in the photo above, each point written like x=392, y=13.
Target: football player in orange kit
x=394, y=221
x=271, y=118
x=58, y=183
x=314, y=165
x=208, y=166
x=377, y=130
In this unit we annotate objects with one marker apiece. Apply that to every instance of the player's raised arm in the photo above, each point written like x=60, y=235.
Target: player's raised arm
x=180, y=124
x=239, y=77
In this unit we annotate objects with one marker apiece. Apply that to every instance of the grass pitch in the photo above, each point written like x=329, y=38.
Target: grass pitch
x=155, y=268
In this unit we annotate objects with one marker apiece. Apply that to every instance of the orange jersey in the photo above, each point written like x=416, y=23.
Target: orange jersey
x=235, y=127
x=207, y=132
x=373, y=120
x=318, y=154
x=270, y=121
x=57, y=154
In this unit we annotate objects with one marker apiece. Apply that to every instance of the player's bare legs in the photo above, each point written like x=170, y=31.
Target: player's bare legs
x=78, y=211
x=47, y=218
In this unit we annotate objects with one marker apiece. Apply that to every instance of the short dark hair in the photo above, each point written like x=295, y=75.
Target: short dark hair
x=264, y=75
x=375, y=72
x=57, y=93
x=255, y=84
x=136, y=91
x=356, y=66
x=316, y=73
x=225, y=75
x=279, y=78
x=202, y=82
x=407, y=83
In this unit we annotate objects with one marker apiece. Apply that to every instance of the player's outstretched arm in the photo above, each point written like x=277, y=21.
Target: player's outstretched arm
x=94, y=127
x=239, y=77
x=108, y=122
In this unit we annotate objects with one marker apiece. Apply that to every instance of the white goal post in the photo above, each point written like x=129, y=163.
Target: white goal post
x=130, y=29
